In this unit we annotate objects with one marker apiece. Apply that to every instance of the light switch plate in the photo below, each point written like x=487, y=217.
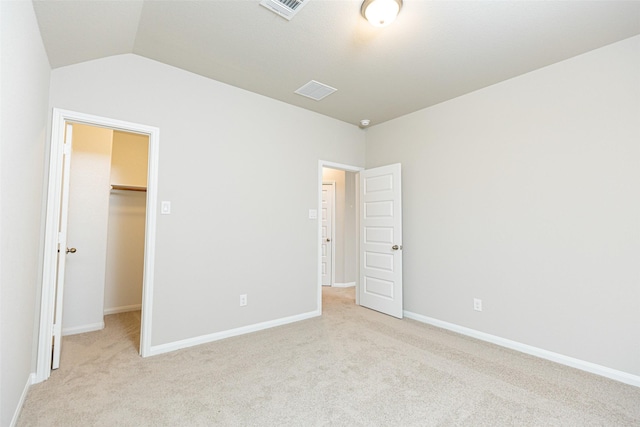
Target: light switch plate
x=165, y=208
x=313, y=214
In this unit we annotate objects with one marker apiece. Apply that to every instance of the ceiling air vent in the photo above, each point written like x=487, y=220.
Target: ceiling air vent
x=284, y=8
x=315, y=90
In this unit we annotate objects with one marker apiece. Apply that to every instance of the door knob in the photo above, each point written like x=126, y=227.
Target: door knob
x=396, y=247
x=71, y=250
x=328, y=240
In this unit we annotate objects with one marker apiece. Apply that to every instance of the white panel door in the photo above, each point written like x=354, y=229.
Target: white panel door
x=381, y=240
x=62, y=247
x=328, y=195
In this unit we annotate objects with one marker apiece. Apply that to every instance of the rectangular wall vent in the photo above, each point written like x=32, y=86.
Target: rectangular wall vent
x=285, y=8
x=315, y=90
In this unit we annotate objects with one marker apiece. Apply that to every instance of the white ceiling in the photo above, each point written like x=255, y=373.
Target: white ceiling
x=434, y=51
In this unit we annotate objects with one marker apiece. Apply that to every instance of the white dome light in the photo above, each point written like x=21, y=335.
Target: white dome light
x=381, y=13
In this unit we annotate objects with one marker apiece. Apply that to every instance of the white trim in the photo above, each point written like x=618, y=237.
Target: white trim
x=47, y=303
x=348, y=168
x=122, y=309
x=203, y=339
x=623, y=377
x=31, y=379
x=344, y=285
x=92, y=327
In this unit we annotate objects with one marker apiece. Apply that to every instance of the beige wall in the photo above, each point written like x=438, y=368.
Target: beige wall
x=240, y=171
x=125, y=243
x=24, y=91
x=129, y=159
x=525, y=194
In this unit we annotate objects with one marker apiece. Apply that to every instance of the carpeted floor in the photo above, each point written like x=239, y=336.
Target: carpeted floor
x=351, y=367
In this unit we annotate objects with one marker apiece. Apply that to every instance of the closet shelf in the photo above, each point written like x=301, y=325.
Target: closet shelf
x=128, y=188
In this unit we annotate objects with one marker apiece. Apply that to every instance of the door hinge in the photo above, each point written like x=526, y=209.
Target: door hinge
x=66, y=149
x=55, y=330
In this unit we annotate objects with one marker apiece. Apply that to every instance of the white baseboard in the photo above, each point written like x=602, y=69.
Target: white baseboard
x=344, y=285
x=623, y=377
x=31, y=379
x=177, y=345
x=82, y=329
x=122, y=309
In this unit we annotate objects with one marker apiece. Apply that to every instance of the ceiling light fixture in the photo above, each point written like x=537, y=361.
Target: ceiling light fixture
x=380, y=13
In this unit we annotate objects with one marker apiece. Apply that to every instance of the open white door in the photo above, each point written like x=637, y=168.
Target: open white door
x=62, y=247
x=381, y=240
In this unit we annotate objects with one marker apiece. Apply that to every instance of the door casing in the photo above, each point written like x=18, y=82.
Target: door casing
x=47, y=304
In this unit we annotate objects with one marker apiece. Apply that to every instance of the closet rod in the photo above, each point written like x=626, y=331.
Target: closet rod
x=128, y=188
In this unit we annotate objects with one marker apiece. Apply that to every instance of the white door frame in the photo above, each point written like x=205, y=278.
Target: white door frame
x=47, y=304
x=347, y=168
x=332, y=273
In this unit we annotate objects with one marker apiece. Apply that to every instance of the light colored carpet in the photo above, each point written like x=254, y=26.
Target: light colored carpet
x=351, y=367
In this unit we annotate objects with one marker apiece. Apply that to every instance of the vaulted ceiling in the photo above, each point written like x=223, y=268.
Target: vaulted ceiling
x=434, y=51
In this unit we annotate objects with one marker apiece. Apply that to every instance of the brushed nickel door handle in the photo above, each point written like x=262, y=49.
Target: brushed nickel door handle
x=396, y=247
x=71, y=250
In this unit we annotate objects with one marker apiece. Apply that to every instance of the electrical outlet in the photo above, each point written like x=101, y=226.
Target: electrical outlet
x=477, y=304
x=243, y=300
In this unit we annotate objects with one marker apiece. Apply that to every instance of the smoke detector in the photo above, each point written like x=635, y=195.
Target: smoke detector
x=285, y=8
